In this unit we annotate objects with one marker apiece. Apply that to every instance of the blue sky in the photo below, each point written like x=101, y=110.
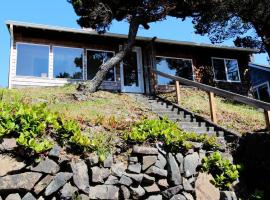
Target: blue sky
x=60, y=13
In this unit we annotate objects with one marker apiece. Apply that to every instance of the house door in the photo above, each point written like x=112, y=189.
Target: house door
x=132, y=72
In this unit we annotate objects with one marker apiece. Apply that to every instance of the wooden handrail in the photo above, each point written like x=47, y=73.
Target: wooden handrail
x=223, y=93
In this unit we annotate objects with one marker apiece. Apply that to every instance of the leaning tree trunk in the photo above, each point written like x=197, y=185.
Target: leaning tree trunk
x=93, y=85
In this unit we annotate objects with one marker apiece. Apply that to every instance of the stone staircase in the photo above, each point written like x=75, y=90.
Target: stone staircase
x=185, y=119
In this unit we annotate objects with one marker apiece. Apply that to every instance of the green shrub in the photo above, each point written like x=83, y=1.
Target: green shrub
x=222, y=170
x=154, y=130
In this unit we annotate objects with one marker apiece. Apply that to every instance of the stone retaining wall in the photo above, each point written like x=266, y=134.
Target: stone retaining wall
x=147, y=173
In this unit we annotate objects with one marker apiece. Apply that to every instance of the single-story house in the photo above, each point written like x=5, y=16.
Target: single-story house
x=260, y=78
x=42, y=55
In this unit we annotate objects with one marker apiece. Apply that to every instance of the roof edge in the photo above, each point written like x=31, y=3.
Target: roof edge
x=142, y=38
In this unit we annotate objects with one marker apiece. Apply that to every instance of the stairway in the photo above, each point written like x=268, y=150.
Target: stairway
x=186, y=120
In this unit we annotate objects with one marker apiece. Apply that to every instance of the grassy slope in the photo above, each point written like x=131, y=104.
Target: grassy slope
x=100, y=104
x=234, y=116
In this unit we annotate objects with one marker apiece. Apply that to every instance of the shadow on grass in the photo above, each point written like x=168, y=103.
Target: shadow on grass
x=253, y=153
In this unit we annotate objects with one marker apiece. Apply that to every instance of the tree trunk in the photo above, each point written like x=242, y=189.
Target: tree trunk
x=93, y=85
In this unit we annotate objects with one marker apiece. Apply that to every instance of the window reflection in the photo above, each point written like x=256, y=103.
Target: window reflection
x=178, y=67
x=232, y=70
x=130, y=70
x=32, y=60
x=94, y=60
x=226, y=69
x=67, y=63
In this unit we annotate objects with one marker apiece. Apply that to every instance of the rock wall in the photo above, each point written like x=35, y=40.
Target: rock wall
x=146, y=173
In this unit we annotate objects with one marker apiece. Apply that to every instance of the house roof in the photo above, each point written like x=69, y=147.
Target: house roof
x=114, y=35
x=260, y=66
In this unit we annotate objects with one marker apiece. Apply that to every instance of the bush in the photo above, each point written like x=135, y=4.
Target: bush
x=153, y=130
x=34, y=126
x=222, y=170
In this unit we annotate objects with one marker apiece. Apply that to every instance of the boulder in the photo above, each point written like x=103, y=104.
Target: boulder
x=112, y=180
x=161, y=162
x=41, y=185
x=137, y=192
x=187, y=186
x=136, y=177
x=9, y=164
x=148, y=180
x=204, y=189
x=125, y=192
x=55, y=151
x=108, y=161
x=157, y=172
x=163, y=183
x=59, y=180
x=80, y=175
x=173, y=170
x=188, y=196
x=145, y=150
x=124, y=180
x=47, y=166
x=99, y=174
x=8, y=144
x=154, y=197
x=104, y=192
x=92, y=159
x=25, y=181
x=152, y=189
x=28, y=196
x=135, y=168
x=68, y=191
x=84, y=197
x=148, y=161
x=15, y=196
x=169, y=193
x=133, y=159
x=118, y=169
x=191, y=163
x=179, y=197
x=179, y=158
x=228, y=195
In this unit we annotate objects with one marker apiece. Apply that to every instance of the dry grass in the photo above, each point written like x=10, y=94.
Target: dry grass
x=237, y=117
x=107, y=105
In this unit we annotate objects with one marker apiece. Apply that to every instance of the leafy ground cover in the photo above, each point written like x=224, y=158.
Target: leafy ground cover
x=237, y=117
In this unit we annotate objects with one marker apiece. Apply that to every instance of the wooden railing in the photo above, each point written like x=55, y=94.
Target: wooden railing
x=212, y=91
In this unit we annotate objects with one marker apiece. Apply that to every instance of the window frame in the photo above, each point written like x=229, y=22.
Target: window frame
x=33, y=44
x=101, y=50
x=256, y=89
x=226, y=70
x=67, y=47
x=178, y=58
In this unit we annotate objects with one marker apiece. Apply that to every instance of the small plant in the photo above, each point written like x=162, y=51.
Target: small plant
x=222, y=170
x=153, y=130
x=258, y=194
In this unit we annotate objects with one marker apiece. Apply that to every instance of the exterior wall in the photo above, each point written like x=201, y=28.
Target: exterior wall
x=201, y=59
x=259, y=76
x=202, y=65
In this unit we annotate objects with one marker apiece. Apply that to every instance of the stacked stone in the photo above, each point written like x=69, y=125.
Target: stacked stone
x=150, y=173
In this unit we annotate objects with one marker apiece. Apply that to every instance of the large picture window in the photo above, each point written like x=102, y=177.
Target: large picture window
x=174, y=66
x=67, y=63
x=32, y=60
x=226, y=69
x=95, y=59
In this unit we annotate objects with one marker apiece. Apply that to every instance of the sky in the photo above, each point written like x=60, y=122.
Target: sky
x=61, y=13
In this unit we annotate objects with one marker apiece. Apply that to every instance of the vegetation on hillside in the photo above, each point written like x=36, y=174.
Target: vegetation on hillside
x=234, y=116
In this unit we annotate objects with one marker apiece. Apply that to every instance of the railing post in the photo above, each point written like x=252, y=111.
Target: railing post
x=213, y=107
x=267, y=119
x=177, y=88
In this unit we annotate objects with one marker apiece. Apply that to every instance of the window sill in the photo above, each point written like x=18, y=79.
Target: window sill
x=223, y=81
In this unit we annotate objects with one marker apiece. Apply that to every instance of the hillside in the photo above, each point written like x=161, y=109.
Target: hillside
x=234, y=116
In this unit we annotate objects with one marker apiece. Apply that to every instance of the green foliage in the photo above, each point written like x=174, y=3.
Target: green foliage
x=223, y=171
x=154, y=130
x=258, y=194
x=101, y=143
